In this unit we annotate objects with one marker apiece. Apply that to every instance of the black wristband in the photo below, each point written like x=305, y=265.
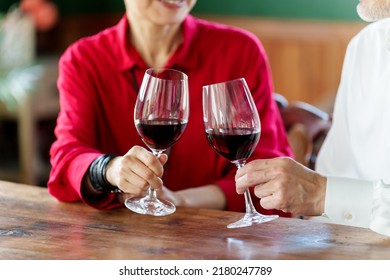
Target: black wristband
x=97, y=175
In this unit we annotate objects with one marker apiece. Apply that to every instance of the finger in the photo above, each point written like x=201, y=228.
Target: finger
x=140, y=177
x=242, y=184
x=259, y=172
x=264, y=190
x=271, y=198
x=268, y=203
x=130, y=182
x=152, y=162
x=138, y=153
x=253, y=166
x=254, y=169
x=252, y=178
x=163, y=158
x=135, y=176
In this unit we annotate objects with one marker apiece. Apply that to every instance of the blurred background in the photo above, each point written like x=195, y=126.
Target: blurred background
x=305, y=41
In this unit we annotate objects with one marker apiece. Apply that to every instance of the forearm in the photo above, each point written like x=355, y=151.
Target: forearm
x=208, y=196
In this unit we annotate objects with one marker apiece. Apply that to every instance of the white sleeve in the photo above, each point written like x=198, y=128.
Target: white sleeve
x=359, y=203
x=380, y=219
x=349, y=201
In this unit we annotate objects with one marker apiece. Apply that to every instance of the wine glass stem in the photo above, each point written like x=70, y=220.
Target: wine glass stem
x=248, y=200
x=152, y=194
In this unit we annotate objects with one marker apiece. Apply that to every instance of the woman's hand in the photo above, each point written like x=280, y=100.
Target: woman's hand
x=136, y=170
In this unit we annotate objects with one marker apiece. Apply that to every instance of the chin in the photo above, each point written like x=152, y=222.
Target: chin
x=371, y=14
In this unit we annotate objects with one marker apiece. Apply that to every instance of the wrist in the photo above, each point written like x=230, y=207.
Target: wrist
x=97, y=173
x=112, y=171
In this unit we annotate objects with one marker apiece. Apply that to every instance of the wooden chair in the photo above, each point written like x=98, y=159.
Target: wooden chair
x=306, y=126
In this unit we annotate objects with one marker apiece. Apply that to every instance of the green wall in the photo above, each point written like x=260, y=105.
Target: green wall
x=306, y=9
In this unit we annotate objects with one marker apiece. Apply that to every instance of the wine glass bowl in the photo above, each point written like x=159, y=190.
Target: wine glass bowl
x=232, y=126
x=160, y=117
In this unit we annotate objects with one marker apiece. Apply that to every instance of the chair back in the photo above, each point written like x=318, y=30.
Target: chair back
x=306, y=126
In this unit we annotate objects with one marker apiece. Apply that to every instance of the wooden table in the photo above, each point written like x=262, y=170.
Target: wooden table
x=34, y=225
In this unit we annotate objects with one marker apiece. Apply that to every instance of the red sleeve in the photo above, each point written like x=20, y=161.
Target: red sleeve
x=74, y=149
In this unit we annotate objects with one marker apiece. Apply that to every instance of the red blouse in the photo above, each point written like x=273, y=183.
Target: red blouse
x=98, y=81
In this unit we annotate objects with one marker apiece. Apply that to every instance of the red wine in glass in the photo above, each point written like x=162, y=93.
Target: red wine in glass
x=234, y=144
x=160, y=116
x=160, y=134
x=232, y=126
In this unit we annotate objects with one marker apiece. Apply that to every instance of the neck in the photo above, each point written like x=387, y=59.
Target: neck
x=155, y=43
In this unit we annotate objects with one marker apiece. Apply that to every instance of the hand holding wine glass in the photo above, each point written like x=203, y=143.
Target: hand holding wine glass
x=232, y=126
x=160, y=116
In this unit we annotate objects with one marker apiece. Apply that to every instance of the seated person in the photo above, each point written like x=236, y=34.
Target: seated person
x=352, y=185
x=98, y=85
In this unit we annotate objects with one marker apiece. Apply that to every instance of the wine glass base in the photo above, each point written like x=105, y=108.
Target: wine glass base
x=252, y=219
x=147, y=206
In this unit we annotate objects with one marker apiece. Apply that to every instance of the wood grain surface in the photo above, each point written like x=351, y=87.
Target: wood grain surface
x=34, y=225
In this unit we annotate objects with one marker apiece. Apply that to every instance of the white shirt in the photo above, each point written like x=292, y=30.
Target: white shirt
x=356, y=153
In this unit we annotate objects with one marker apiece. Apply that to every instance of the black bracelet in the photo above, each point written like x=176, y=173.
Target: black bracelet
x=97, y=175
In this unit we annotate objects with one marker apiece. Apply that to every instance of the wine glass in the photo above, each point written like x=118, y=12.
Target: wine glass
x=232, y=126
x=160, y=116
